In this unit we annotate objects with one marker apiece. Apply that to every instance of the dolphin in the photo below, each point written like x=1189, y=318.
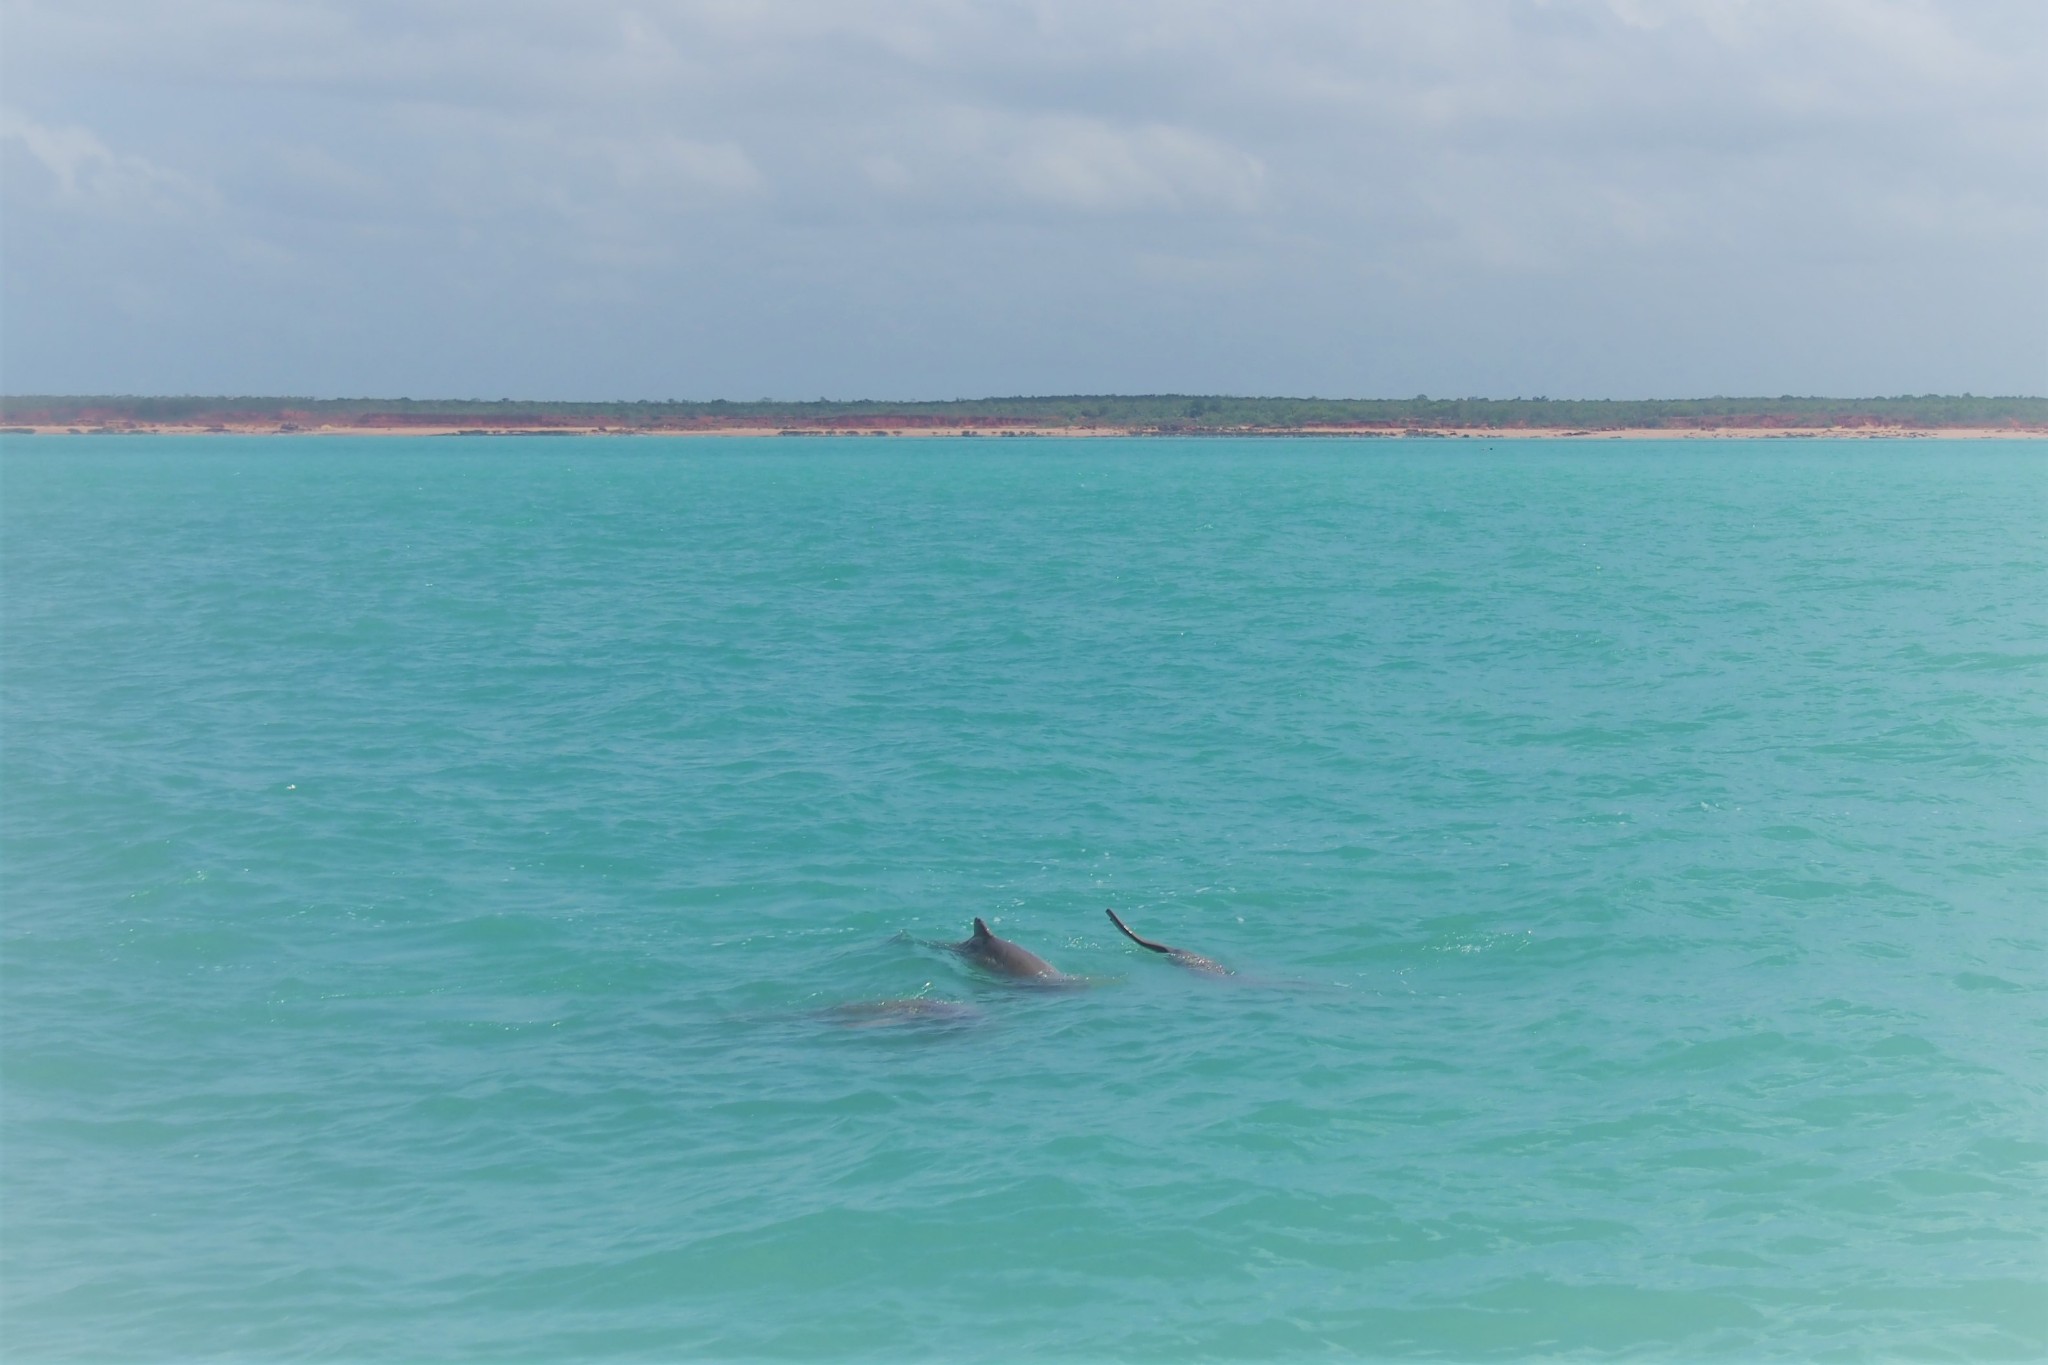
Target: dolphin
x=1192, y=961
x=1003, y=957
x=914, y=1010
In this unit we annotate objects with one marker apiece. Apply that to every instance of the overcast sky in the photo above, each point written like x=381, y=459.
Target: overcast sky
x=938, y=198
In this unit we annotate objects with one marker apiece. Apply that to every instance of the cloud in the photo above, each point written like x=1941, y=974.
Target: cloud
x=1579, y=164
x=1089, y=164
x=666, y=165
x=85, y=175
x=995, y=162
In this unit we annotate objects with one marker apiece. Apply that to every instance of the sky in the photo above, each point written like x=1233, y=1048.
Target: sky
x=692, y=199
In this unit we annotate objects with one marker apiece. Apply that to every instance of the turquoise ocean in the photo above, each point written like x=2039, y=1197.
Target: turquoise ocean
x=433, y=869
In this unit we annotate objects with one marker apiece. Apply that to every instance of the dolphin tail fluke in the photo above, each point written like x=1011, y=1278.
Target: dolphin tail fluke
x=1141, y=942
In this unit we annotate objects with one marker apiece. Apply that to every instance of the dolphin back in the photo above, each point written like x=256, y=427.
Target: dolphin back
x=1002, y=956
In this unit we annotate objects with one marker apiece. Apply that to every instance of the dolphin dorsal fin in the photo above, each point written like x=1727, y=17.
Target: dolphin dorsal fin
x=980, y=929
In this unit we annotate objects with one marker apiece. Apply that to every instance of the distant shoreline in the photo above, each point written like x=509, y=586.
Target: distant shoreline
x=1964, y=416
x=1704, y=433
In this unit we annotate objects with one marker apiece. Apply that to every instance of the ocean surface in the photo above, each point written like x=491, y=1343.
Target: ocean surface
x=434, y=870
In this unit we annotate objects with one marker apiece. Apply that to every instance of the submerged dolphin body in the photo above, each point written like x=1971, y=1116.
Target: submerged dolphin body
x=1003, y=957
x=917, y=1010
x=1194, y=962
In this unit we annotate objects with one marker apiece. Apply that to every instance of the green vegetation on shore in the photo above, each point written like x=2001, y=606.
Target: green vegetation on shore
x=1172, y=413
